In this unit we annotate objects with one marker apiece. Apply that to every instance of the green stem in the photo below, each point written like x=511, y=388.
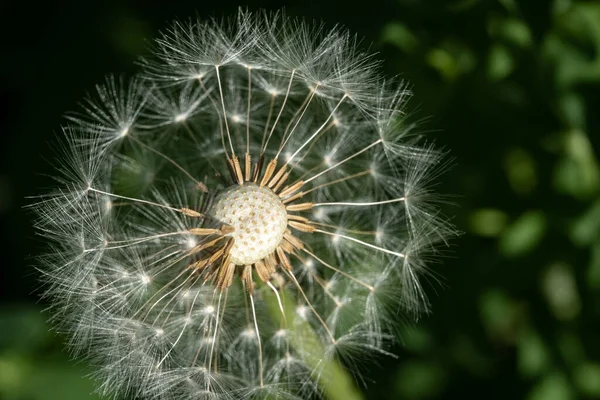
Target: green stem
x=333, y=379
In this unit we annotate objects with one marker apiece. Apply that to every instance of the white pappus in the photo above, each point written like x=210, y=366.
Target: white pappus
x=256, y=181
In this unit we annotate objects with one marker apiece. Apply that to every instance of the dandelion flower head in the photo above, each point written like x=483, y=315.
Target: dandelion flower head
x=250, y=207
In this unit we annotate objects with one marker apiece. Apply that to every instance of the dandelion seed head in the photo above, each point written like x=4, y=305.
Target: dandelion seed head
x=108, y=205
x=249, y=333
x=208, y=310
x=280, y=333
x=319, y=214
x=180, y=117
x=145, y=279
x=335, y=239
x=302, y=311
x=191, y=243
x=253, y=187
x=207, y=340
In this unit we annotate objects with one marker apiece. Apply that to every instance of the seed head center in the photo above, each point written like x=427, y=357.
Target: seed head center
x=258, y=217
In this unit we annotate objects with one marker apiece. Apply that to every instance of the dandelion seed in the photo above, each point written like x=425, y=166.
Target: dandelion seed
x=280, y=333
x=252, y=183
x=180, y=117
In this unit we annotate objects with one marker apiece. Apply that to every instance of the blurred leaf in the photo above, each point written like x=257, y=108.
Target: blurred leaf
x=67, y=383
x=572, y=109
x=500, y=63
x=577, y=173
x=14, y=371
x=510, y=30
x=397, y=34
x=561, y=6
x=28, y=330
x=488, y=222
x=560, y=290
x=567, y=46
x=587, y=379
x=499, y=314
x=566, y=61
x=524, y=234
x=533, y=356
x=510, y=5
x=585, y=230
x=451, y=60
x=552, y=387
x=581, y=21
x=23, y=378
x=571, y=348
x=29, y=368
x=418, y=379
x=521, y=171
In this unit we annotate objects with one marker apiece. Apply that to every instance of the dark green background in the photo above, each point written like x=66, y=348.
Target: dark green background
x=510, y=88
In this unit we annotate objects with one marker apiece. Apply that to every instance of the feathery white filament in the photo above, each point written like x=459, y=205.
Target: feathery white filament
x=252, y=156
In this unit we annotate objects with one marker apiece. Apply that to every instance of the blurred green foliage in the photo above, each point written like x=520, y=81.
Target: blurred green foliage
x=512, y=90
x=524, y=88
x=32, y=365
